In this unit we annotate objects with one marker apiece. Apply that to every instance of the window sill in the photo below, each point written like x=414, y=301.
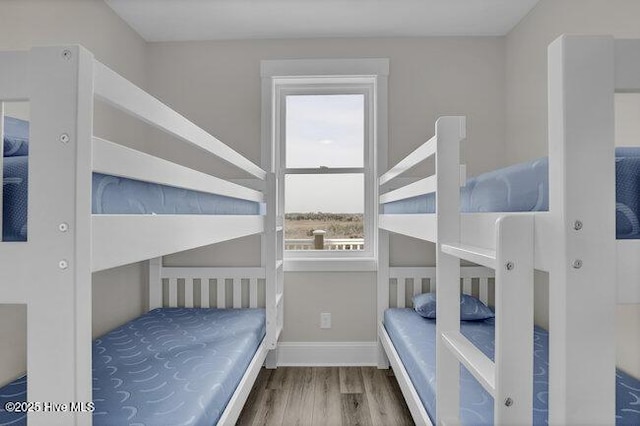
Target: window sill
x=363, y=264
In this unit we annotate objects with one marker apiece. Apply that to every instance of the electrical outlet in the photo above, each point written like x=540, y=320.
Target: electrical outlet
x=325, y=320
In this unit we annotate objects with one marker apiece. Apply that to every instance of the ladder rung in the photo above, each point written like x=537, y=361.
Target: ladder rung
x=279, y=264
x=478, y=364
x=481, y=256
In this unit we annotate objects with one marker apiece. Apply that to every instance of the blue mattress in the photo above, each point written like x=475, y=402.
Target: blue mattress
x=525, y=187
x=414, y=338
x=110, y=195
x=168, y=367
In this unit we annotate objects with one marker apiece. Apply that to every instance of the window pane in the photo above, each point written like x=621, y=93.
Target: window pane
x=330, y=203
x=325, y=130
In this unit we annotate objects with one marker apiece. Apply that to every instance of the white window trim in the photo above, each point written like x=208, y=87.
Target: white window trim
x=340, y=76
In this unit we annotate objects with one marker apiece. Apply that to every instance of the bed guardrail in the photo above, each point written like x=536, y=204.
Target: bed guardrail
x=126, y=96
x=449, y=131
x=422, y=153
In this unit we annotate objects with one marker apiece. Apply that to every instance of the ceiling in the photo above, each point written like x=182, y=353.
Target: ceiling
x=181, y=20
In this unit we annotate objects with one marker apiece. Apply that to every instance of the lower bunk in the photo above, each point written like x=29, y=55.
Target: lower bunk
x=170, y=366
x=410, y=343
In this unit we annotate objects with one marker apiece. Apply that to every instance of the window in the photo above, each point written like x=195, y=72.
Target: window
x=324, y=172
x=321, y=136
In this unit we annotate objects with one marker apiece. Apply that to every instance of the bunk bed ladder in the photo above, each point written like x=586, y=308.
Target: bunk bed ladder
x=510, y=378
x=273, y=257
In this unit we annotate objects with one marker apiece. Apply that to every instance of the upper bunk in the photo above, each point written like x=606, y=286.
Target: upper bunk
x=564, y=192
x=72, y=173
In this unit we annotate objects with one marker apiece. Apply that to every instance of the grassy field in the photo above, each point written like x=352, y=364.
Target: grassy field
x=337, y=225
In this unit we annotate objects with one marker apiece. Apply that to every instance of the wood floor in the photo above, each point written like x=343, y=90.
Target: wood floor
x=331, y=396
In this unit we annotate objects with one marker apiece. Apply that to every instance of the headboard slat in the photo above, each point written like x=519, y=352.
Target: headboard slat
x=417, y=285
x=204, y=292
x=221, y=284
x=188, y=293
x=237, y=293
x=466, y=285
x=253, y=292
x=401, y=300
x=173, y=292
x=484, y=290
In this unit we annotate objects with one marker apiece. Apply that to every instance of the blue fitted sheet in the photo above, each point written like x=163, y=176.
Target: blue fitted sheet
x=525, y=187
x=414, y=338
x=110, y=195
x=168, y=367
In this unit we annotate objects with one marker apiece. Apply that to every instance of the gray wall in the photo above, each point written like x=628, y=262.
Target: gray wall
x=526, y=68
x=526, y=118
x=118, y=294
x=217, y=85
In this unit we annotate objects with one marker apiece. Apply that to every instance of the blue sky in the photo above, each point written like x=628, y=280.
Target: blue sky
x=325, y=130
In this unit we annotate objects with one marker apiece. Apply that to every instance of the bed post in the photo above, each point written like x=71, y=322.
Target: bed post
x=449, y=132
x=272, y=256
x=59, y=226
x=582, y=288
x=383, y=290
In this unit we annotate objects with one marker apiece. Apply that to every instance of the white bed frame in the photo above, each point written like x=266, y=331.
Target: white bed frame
x=232, y=288
x=405, y=278
x=574, y=241
x=51, y=272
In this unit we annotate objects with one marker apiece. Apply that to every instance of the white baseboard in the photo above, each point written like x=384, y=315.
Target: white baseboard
x=331, y=354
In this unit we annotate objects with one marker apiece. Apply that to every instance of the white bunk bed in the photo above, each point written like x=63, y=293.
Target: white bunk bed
x=574, y=241
x=51, y=272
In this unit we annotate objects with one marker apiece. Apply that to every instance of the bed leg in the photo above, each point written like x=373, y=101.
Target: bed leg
x=271, y=361
x=383, y=360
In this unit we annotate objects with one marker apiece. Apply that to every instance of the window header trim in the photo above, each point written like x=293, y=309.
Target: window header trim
x=324, y=67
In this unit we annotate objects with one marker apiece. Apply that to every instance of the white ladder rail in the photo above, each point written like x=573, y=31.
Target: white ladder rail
x=510, y=378
x=513, y=399
x=449, y=132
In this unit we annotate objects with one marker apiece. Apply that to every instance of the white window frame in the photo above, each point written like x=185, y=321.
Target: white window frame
x=339, y=77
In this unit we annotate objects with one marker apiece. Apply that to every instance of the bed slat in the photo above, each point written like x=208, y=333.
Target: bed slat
x=188, y=293
x=221, y=284
x=173, y=292
x=204, y=292
x=466, y=285
x=417, y=285
x=484, y=290
x=401, y=291
x=253, y=292
x=237, y=293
